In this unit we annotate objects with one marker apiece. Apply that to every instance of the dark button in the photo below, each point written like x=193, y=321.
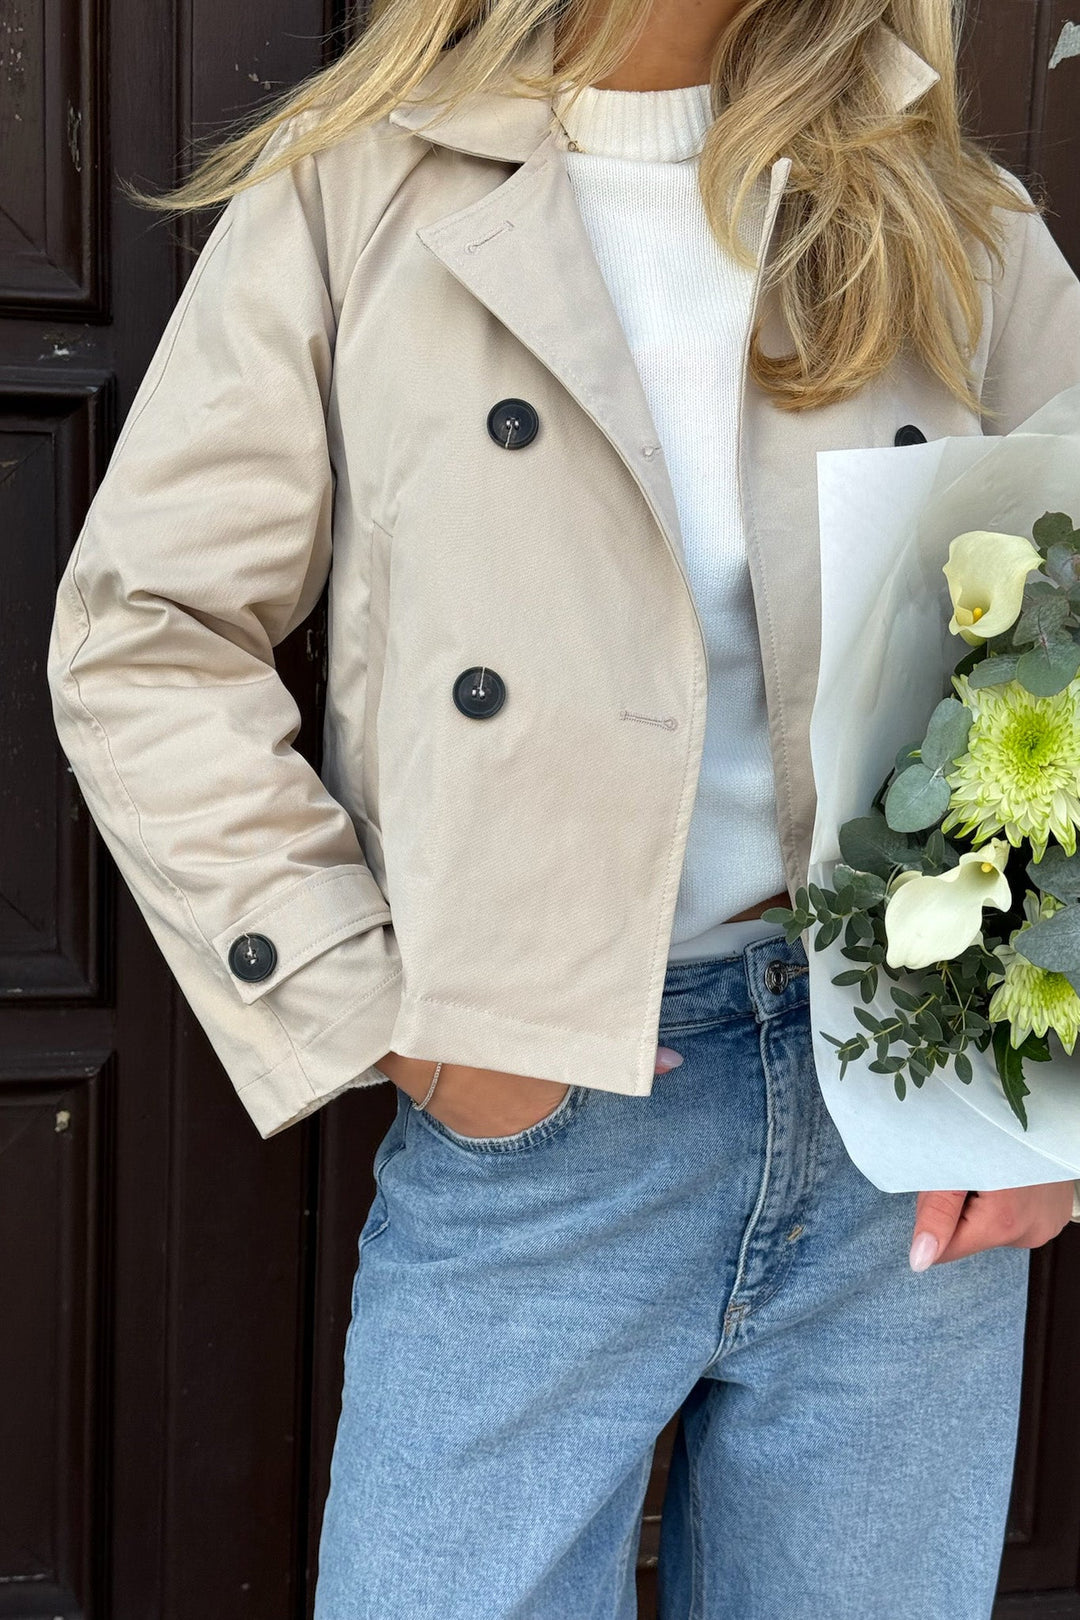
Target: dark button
x=776, y=977
x=909, y=434
x=252, y=957
x=513, y=423
x=479, y=692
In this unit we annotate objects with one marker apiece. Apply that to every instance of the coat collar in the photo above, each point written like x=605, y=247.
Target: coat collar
x=520, y=247
x=510, y=127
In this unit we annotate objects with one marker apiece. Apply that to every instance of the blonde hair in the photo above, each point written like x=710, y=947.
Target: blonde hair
x=882, y=205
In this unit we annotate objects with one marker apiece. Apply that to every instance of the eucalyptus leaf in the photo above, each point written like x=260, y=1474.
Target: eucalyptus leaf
x=994, y=671
x=1046, y=671
x=907, y=756
x=869, y=844
x=1057, y=874
x=1053, y=944
x=1063, y=566
x=946, y=736
x=867, y=890
x=1045, y=612
x=1054, y=528
x=917, y=799
x=938, y=853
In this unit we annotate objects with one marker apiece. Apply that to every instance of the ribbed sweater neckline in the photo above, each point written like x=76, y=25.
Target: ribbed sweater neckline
x=657, y=126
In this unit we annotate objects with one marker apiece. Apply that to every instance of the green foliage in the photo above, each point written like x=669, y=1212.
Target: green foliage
x=1042, y=650
x=993, y=671
x=938, y=1015
x=1055, y=943
x=1055, y=528
x=1057, y=874
x=1048, y=668
x=918, y=795
x=1010, y=1068
x=869, y=844
x=946, y=735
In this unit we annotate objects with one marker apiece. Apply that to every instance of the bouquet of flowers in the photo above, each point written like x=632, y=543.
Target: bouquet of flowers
x=960, y=885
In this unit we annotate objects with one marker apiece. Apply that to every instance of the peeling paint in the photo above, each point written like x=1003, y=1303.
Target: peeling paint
x=74, y=136
x=63, y=1118
x=12, y=48
x=62, y=345
x=1068, y=44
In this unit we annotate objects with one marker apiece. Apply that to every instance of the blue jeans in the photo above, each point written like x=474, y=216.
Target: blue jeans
x=530, y=1311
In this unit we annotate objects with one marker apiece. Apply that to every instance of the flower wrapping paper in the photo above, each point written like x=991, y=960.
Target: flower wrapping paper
x=886, y=518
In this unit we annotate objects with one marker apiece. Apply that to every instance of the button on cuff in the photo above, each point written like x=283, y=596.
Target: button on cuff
x=252, y=957
x=279, y=936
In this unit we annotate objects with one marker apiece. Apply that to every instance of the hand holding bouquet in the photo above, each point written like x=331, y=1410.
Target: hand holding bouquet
x=961, y=885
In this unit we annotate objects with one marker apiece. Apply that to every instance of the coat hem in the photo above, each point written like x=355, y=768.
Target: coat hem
x=434, y=1030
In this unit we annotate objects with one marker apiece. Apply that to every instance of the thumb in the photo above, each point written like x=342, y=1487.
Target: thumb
x=936, y=1215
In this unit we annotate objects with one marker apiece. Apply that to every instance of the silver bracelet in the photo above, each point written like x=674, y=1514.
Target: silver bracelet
x=428, y=1094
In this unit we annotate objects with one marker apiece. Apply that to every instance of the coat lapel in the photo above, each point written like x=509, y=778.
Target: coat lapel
x=524, y=252
x=522, y=249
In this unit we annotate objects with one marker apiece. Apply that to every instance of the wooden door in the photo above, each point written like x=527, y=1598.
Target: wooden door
x=173, y=1290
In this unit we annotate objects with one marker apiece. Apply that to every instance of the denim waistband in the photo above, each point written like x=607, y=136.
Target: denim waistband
x=767, y=978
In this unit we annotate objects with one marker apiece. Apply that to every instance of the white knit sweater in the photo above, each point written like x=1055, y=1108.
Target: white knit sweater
x=685, y=307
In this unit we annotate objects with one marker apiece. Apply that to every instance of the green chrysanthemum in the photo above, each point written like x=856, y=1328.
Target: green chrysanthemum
x=1029, y=998
x=1021, y=773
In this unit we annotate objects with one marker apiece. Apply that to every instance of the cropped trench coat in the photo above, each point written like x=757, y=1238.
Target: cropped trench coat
x=485, y=869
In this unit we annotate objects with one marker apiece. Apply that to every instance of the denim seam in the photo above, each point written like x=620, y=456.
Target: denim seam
x=378, y=1175
x=630, y=1542
x=706, y=1024
x=727, y=1337
x=788, y=1251
x=697, y=1549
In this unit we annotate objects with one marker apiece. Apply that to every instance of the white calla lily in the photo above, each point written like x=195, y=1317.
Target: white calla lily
x=933, y=919
x=986, y=574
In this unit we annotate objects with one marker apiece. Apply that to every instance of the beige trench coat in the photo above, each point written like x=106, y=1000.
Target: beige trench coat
x=494, y=889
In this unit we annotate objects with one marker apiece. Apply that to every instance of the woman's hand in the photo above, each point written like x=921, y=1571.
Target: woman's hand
x=949, y=1225
x=486, y=1102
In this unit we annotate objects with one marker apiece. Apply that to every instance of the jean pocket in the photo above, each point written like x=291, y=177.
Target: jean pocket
x=518, y=1141
x=378, y=1216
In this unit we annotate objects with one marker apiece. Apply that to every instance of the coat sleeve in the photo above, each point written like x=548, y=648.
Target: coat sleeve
x=1034, y=348
x=208, y=540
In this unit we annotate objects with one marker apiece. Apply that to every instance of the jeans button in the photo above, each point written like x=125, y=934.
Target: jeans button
x=776, y=978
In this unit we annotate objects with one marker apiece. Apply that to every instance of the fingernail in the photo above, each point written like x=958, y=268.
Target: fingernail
x=924, y=1251
x=667, y=1059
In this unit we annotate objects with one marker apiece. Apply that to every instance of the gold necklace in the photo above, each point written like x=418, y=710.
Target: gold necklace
x=573, y=146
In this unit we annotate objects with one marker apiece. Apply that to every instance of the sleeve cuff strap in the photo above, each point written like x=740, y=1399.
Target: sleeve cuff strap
x=298, y=925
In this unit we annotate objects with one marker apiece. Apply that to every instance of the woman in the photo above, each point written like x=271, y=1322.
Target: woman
x=545, y=372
